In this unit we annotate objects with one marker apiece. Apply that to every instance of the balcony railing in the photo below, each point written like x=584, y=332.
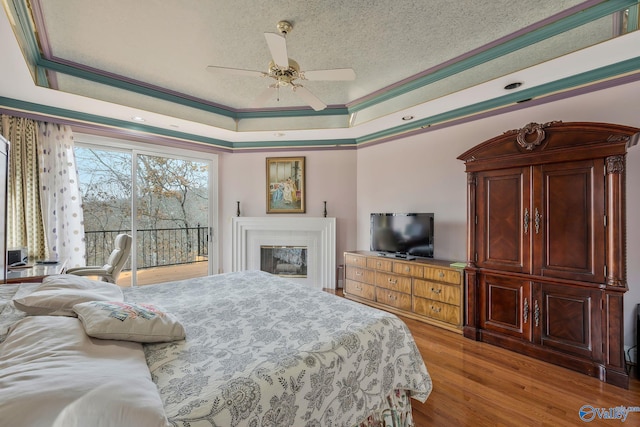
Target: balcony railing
x=155, y=247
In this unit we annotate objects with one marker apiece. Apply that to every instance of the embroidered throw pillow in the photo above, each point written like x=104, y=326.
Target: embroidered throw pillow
x=116, y=320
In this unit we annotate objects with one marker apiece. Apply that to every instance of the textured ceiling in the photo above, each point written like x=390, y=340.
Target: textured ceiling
x=152, y=55
x=170, y=44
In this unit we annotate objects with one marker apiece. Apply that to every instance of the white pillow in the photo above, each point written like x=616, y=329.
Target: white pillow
x=126, y=321
x=48, y=363
x=57, y=295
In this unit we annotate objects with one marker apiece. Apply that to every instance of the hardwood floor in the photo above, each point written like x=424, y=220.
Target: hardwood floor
x=477, y=384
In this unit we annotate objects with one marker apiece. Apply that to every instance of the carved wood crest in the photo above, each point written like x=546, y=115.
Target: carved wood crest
x=530, y=129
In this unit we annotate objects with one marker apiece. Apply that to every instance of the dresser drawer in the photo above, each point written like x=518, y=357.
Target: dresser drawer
x=443, y=275
x=357, y=260
x=412, y=270
x=437, y=310
x=394, y=299
x=394, y=282
x=359, y=289
x=449, y=294
x=360, y=274
x=380, y=264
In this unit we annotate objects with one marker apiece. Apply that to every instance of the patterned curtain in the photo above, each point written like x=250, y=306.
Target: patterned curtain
x=60, y=194
x=25, y=227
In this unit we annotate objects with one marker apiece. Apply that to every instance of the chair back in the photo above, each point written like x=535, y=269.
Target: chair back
x=119, y=256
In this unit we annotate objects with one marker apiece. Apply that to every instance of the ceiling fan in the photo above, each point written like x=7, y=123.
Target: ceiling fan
x=285, y=71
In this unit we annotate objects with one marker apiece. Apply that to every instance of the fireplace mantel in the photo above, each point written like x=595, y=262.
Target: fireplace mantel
x=317, y=234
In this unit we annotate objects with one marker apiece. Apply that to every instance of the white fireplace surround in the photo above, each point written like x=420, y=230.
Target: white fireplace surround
x=318, y=235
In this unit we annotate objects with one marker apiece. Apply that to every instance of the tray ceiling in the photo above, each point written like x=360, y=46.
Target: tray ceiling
x=407, y=55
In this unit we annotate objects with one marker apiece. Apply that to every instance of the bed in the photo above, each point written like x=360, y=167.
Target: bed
x=259, y=351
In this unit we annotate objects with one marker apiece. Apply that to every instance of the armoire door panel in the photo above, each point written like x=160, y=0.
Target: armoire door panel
x=503, y=235
x=507, y=306
x=573, y=220
x=570, y=319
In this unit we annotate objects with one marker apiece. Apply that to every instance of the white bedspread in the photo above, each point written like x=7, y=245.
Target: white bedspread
x=264, y=351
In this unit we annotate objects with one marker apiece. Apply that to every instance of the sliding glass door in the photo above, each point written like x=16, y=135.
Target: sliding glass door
x=171, y=196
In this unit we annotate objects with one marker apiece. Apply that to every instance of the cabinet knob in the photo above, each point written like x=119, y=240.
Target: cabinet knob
x=379, y=264
x=441, y=274
x=407, y=269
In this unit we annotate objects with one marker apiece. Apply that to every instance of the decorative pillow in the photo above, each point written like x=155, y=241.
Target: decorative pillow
x=126, y=321
x=57, y=295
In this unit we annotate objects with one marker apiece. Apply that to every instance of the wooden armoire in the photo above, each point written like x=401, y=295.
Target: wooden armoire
x=546, y=261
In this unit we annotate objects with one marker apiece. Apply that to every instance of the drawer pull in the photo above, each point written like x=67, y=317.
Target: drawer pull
x=358, y=287
x=436, y=309
x=358, y=273
x=407, y=269
x=441, y=274
x=379, y=264
x=393, y=297
x=436, y=291
x=393, y=282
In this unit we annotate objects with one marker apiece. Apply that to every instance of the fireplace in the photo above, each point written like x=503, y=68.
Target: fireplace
x=316, y=235
x=284, y=261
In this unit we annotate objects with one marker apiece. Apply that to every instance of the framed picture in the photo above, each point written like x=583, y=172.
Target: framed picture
x=285, y=185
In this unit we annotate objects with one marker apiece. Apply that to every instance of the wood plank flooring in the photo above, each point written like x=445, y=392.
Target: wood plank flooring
x=477, y=384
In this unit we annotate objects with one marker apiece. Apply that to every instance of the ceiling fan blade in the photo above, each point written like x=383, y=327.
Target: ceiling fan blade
x=309, y=98
x=236, y=71
x=263, y=97
x=278, y=47
x=337, y=74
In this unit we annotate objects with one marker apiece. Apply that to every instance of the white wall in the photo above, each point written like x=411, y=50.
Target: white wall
x=421, y=173
x=330, y=176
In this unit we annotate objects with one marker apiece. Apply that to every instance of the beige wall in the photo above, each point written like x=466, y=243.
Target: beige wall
x=330, y=176
x=421, y=173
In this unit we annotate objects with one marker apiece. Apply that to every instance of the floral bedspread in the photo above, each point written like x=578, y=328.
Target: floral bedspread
x=264, y=351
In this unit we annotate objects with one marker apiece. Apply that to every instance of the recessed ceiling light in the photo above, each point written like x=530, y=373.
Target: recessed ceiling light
x=137, y=119
x=513, y=85
x=407, y=118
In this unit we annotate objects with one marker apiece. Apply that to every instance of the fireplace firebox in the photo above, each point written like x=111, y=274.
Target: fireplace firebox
x=285, y=261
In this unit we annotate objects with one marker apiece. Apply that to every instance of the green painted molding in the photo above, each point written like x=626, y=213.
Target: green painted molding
x=40, y=64
x=84, y=118
x=507, y=47
x=629, y=66
x=599, y=74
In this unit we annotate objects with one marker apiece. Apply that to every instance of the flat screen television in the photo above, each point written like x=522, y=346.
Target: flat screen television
x=402, y=235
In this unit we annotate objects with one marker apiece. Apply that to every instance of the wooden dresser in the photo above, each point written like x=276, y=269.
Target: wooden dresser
x=427, y=290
